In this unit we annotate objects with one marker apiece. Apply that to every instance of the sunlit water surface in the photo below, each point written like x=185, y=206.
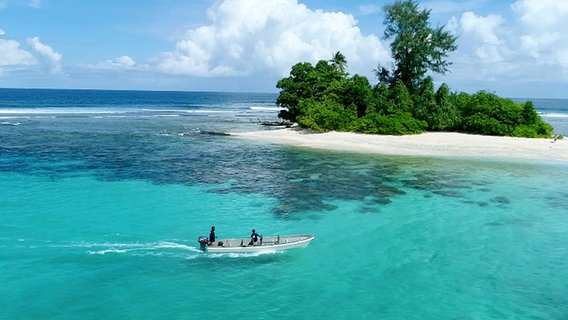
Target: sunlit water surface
x=104, y=194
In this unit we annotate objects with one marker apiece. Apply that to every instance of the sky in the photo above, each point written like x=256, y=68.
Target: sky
x=516, y=49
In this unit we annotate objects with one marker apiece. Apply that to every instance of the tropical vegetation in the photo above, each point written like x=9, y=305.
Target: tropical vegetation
x=404, y=101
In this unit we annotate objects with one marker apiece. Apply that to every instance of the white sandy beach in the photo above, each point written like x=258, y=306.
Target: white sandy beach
x=437, y=144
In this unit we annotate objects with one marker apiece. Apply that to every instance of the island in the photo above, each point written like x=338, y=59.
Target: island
x=325, y=97
x=403, y=114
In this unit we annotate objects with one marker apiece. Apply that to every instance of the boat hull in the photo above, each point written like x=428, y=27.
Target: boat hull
x=269, y=244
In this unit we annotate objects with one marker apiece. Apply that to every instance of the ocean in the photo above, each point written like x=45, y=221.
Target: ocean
x=103, y=195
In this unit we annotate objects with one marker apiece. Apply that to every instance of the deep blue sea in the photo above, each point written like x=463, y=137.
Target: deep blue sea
x=103, y=195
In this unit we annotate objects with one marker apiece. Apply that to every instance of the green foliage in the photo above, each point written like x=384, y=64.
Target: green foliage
x=322, y=98
x=540, y=129
x=529, y=113
x=393, y=124
x=444, y=115
x=485, y=124
x=338, y=62
x=416, y=47
x=504, y=110
x=382, y=103
x=486, y=113
x=298, y=86
x=305, y=81
x=325, y=115
x=425, y=100
x=357, y=93
x=401, y=99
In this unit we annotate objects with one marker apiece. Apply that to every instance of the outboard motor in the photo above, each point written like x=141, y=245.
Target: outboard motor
x=202, y=242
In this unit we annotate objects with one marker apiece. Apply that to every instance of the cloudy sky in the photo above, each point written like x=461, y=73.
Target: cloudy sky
x=513, y=48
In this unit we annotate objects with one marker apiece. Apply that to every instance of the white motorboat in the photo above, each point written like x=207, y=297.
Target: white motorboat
x=243, y=245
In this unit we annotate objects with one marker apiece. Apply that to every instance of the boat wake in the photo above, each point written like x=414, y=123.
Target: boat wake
x=164, y=248
x=160, y=248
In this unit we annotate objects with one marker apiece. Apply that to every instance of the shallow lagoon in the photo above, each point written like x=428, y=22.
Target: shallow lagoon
x=100, y=213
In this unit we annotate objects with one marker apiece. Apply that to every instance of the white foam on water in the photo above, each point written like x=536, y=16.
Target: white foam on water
x=554, y=115
x=158, y=248
x=169, y=245
x=186, y=110
x=266, y=108
x=110, y=117
x=20, y=111
x=242, y=255
x=103, y=252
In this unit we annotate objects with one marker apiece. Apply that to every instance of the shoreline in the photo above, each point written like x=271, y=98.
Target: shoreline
x=431, y=144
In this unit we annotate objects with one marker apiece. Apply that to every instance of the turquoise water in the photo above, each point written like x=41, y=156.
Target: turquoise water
x=101, y=207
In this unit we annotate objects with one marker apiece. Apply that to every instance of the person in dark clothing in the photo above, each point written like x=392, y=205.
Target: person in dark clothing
x=254, y=237
x=212, y=236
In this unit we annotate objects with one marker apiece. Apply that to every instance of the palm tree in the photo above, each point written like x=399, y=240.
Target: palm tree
x=339, y=62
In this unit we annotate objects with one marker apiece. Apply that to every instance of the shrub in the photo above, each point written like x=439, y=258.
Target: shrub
x=393, y=124
x=324, y=116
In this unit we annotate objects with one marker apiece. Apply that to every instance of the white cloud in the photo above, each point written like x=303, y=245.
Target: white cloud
x=483, y=30
x=122, y=62
x=12, y=55
x=542, y=14
x=247, y=37
x=483, y=47
x=544, y=23
x=453, y=26
x=49, y=55
x=2, y=32
x=526, y=48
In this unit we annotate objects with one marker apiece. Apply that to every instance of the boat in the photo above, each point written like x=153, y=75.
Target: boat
x=244, y=245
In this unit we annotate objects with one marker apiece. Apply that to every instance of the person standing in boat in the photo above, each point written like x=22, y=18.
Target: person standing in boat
x=212, y=236
x=254, y=237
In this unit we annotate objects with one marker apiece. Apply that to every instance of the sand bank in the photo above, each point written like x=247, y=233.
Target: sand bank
x=437, y=144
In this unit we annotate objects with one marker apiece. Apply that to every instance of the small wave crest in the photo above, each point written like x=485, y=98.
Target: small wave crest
x=266, y=108
x=177, y=112
x=554, y=115
x=59, y=111
x=8, y=123
x=102, y=252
